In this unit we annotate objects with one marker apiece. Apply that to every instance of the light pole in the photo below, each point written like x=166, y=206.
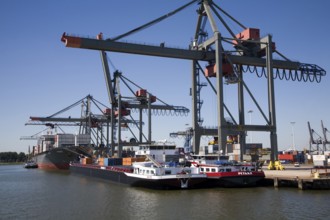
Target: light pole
x=250, y=114
x=293, y=145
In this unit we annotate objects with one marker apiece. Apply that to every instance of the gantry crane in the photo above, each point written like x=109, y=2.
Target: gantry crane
x=187, y=134
x=319, y=140
x=325, y=138
x=249, y=53
x=139, y=100
x=34, y=136
x=314, y=141
x=88, y=122
x=94, y=124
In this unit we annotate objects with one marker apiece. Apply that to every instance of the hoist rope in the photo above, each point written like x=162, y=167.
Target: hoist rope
x=152, y=22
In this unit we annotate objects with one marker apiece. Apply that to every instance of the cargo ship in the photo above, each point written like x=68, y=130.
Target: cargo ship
x=56, y=151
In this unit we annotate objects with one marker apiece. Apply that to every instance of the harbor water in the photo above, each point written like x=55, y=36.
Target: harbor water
x=38, y=194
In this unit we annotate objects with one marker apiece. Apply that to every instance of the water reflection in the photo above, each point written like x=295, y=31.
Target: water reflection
x=35, y=194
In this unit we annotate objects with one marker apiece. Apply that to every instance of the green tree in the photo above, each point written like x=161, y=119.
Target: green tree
x=9, y=157
x=22, y=157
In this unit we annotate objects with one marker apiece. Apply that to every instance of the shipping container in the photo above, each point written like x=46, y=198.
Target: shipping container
x=105, y=161
x=319, y=157
x=113, y=161
x=289, y=157
x=101, y=161
x=130, y=160
x=86, y=160
x=64, y=140
x=82, y=139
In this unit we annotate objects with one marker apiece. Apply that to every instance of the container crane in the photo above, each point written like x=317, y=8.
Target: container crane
x=33, y=137
x=187, y=134
x=252, y=54
x=312, y=140
x=121, y=106
x=325, y=139
x=88, y=122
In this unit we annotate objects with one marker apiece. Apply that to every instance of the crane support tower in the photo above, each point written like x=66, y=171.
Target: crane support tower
x=225, y=66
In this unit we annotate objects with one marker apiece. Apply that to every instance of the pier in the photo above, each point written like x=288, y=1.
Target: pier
x=303, y=177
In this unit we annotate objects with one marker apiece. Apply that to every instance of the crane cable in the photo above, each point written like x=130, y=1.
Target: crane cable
x=152, y=22
x=67, y=108
x=305, y=73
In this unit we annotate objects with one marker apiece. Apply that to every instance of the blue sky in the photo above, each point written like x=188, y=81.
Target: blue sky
x=40, y=76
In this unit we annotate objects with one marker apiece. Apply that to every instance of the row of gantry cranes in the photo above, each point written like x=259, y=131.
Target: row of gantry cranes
x=316, y=139
x=226, y=55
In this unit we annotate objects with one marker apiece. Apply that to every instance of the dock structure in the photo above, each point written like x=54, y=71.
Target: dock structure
x=303, y=178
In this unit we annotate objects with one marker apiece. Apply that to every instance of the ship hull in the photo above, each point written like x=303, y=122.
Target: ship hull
x=55, y=159
x=123, y=175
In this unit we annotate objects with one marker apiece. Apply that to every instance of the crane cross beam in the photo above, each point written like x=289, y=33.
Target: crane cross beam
x=161, y=51
x=142, y=49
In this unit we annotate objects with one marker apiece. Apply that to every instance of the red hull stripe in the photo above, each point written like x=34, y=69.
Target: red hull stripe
x=235, y=174
x=49, y=166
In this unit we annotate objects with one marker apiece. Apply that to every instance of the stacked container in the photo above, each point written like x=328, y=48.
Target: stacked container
x=112, y=161
x=86, y=160
x=127, y=161
x=62, y=140
x=82, y=139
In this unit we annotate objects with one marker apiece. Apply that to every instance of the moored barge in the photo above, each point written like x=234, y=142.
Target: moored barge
x=146, y=174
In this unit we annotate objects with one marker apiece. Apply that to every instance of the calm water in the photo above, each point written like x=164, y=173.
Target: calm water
x=37, y=194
